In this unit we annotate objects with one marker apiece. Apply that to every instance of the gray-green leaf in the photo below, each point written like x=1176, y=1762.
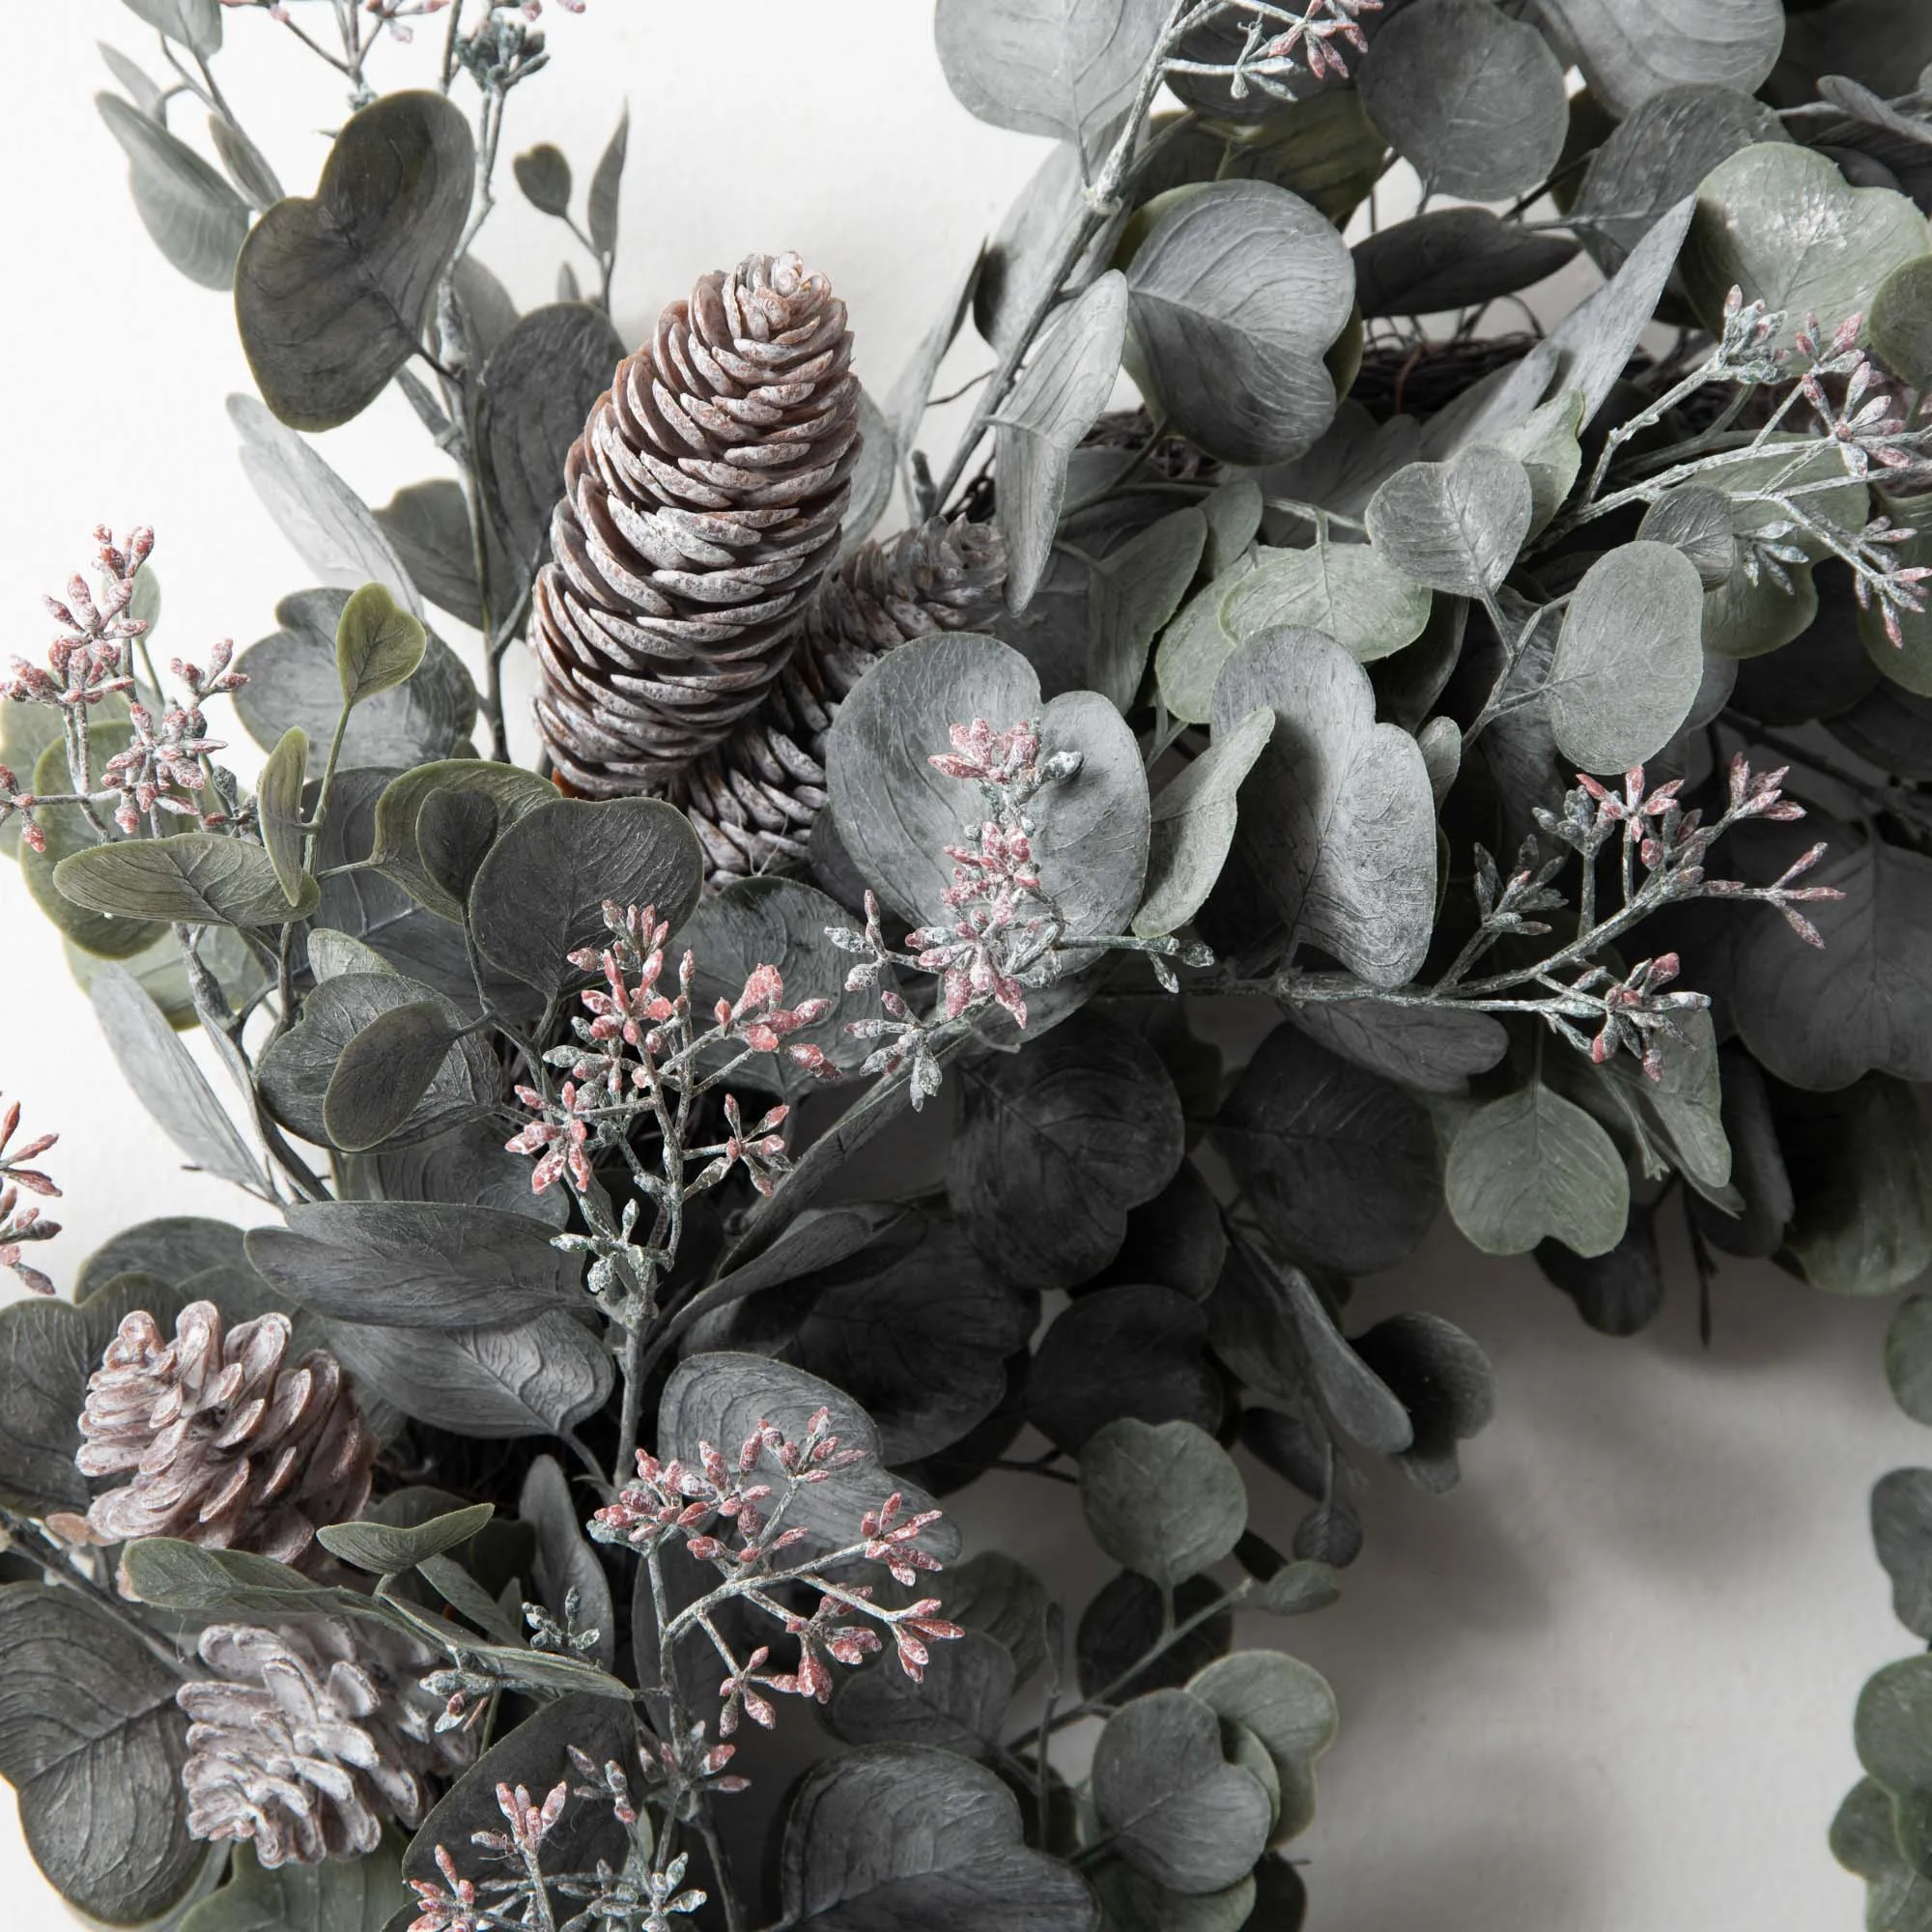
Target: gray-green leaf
x=1164, y=1500
x=194, y=217
x=1534, y=1165
x=1455, y=526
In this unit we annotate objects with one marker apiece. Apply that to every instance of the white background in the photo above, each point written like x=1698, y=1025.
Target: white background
x=1607, y=1686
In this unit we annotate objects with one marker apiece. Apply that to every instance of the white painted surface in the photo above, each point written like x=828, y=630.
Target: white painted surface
x=1607, y=1686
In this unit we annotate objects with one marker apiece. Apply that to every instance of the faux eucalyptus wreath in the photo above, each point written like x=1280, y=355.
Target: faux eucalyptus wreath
x=1363, y=779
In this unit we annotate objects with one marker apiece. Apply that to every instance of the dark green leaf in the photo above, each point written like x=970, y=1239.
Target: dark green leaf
x=1534, y=1165
x=1617, y=1292
x=958, y=1706
x=1427, y=1047
x=1892, y=1732
x=1908, y=1356
x=1135, y=590
x=994, y=1594
x=913, y=1325
x=1136, y=1351
x=332, y=294
x=536, y=1378
x=1901, y=1521
x=896, y=814
x=1177, y=1809
x=470, y=1165
x=1444, y=1381
x=1125, y=1621
x=1472, y=98
x=169, y=1084
x=565, y=1560
x=1455, y=526
x=538, y=388
x=173, y=1575
x=172, y=1249
x=722, y=1399
x=48, y=1351
x=544, y=176
x=296, y=1072
x=1340, y=1164
x=904, y=1834
x=1165, y=1501
x=415, y=1264
x=1863, y=1840
x=410, y=833
x=1340, y=825
x=1277, y=1334
x=1055, y=403
x=91, y=1741
x=279, y=797
x=198, y=878
x=771, y=922
x=378, y=646
x=1861, y=1166
x=1234, y=297
x=385, y=1073
x=386, y=1550
x=1628, y=658
x=1055, y=1146
x=540, y=894
x=194, y=217
x=1288, y=1707
x=535, y=1754
x=1819, y=1017
x=1450, y=259
x=429, y=526
x=355, y=1894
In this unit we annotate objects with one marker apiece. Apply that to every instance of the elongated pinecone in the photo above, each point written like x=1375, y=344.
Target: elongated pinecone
x=752, y=798
x=309, y=1735
x=700, y=505
x=229, y=1443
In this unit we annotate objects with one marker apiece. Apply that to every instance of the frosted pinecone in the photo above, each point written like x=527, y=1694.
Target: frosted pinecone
x=309, y=1735
x=752, y=798
x=224, y=1440
x=700, y=505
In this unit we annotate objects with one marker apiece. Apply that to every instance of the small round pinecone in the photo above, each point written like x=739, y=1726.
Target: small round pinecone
x=752, y=798
x=309, y=1735
x=229, y=1443
x=701, y=505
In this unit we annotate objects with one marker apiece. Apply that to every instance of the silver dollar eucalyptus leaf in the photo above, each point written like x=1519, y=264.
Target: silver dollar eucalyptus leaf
x=331, y=293
x=1344, y=836
x=1531, y=1167
x=907, y=1835
x=1064, y=67
x=1628, y=658
x=1632, y=50
x=1237, y=293
x=1455, y=526
x=1473, y=99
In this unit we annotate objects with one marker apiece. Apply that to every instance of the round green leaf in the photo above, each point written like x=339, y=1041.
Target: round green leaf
x=1781, y=223
x=1473, y=99
x=378, y=645
x=1455, y=526
x=1534, y=1166
x=1628, y=658
x=1164, y=1500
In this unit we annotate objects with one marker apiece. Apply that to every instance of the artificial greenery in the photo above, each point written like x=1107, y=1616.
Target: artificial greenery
x=633, y=1399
